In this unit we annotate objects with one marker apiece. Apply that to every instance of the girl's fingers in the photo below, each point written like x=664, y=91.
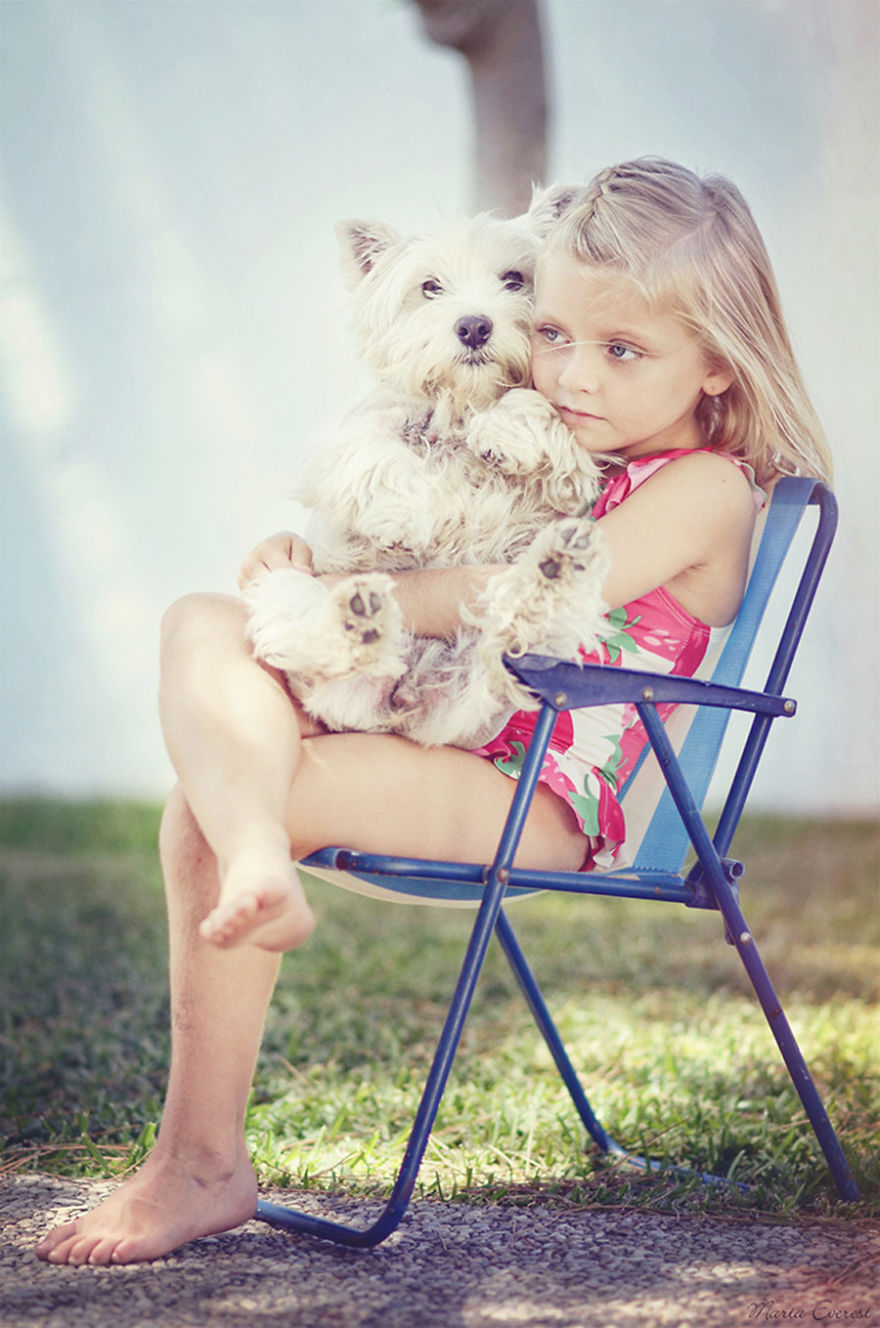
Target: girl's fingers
x=282, y=550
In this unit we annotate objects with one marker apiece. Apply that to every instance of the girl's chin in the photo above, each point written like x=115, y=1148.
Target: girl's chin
x=592, y=433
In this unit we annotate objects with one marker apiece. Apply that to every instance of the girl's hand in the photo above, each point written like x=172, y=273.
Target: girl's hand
x=282, y=550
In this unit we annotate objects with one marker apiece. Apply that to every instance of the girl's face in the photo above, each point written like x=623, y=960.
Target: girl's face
x=624, y=376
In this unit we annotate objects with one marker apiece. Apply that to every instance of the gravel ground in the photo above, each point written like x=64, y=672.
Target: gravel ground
x=449, y=1266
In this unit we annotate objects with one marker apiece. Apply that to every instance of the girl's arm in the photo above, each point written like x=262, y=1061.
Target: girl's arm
x=431, y=599
x=687, y=528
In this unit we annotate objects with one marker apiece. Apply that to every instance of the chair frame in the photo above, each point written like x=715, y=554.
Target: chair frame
x=711, y=883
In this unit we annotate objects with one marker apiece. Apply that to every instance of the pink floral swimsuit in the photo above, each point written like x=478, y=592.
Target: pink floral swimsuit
x=593, y=751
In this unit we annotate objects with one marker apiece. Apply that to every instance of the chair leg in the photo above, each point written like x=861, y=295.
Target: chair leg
x=785, y=1040
x=481, y=934
x=600, y=1136
x=534, y=997
x=738, y=930
x=292, y=1219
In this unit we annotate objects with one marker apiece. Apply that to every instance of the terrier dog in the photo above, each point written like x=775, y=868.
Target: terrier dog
x=453, y=460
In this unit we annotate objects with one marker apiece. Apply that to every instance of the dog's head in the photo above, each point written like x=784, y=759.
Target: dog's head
x=443, y=313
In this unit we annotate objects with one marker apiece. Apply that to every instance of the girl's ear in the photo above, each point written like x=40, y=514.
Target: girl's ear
x=717, y=380
x=361, y=244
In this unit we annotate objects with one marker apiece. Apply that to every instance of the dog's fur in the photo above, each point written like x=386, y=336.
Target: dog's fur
x=453, y=460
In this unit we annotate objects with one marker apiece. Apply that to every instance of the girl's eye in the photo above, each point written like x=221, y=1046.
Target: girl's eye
x=550, y=336
x=623, y=354
x=513, y=281
x=431, y=287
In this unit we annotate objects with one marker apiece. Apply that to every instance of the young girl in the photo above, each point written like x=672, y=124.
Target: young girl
x=658, y=338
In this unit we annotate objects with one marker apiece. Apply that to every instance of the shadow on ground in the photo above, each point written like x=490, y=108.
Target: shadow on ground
x=449, y=1266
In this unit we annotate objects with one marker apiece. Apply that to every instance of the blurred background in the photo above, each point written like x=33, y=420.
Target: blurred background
x=174, y=337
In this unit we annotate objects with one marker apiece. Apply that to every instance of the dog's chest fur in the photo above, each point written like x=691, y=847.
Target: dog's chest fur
x=408, y=496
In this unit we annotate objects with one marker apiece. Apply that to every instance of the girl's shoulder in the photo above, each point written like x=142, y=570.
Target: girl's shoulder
x=694, y=475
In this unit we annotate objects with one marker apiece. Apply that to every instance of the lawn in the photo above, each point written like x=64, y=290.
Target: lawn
x=674, y=1052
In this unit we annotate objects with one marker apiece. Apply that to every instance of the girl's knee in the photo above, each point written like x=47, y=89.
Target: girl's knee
x=201, y=623
x=194, y=615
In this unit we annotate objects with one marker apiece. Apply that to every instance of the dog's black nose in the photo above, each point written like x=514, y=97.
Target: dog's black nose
x=474, y=330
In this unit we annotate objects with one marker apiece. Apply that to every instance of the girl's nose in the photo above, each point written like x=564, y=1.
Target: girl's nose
x=580, y=369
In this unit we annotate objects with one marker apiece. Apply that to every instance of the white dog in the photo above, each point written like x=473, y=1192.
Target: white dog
x=451, y=461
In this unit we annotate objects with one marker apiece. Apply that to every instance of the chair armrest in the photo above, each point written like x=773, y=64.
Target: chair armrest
x=568, y=686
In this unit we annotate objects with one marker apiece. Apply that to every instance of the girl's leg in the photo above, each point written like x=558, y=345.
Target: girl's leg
x=384, y=794
x=234, y=737
x=198, y=1179
x=256, y=788
x=370, y=792
x=257, y=772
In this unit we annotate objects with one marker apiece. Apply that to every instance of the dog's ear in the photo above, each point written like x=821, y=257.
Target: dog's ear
x=361, y=244
x=548, y=205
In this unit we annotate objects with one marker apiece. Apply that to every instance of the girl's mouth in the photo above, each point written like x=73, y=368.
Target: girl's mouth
x=576, y=416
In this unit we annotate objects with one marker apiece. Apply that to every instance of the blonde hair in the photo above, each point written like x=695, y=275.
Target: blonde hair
x=692, y=246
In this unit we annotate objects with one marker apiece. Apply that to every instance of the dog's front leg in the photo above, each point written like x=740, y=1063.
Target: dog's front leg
x=298, y=624
x=549, y=601
x=521, y=432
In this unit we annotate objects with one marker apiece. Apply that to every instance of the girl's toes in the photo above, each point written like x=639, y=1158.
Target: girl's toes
x=79, y=1251
x=208, y=928
x=222, y=925
x=237, y=920
x=128, y=1251
x=55, y=1247
x=103, y=1251
x=45, y=1247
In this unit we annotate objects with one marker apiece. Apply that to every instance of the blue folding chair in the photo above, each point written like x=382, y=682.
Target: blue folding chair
x=673, y=784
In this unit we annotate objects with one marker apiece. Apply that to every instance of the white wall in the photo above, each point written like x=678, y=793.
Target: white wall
x=174, y=331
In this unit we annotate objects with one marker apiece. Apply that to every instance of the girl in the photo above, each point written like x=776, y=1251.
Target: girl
x=658, y=338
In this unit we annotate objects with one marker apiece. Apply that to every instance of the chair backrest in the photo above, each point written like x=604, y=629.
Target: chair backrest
x=657, y=839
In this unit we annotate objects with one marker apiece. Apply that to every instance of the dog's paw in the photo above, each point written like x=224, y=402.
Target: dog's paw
x=564, y=574
x=516, y=434
x=366, y=616
x=569, y=549
x=550, y=600
x=296, y=624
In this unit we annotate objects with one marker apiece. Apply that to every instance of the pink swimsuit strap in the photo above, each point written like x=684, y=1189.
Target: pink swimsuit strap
x=621, y=485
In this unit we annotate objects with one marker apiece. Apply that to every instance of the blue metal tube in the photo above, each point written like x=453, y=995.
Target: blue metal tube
x=481, y=934
x=600, y=1136
x=824, y=499
x=635, y=884
x=748, y=952
x=534, y=997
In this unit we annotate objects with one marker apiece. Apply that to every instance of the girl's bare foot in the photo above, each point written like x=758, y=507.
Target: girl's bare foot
x=261, y=902
x=162, y=1206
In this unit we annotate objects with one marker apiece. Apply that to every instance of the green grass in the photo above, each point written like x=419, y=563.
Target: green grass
x=673, y=1050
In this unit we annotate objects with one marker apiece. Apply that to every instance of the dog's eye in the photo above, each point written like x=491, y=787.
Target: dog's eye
x=431, y=287
x=513, y=281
